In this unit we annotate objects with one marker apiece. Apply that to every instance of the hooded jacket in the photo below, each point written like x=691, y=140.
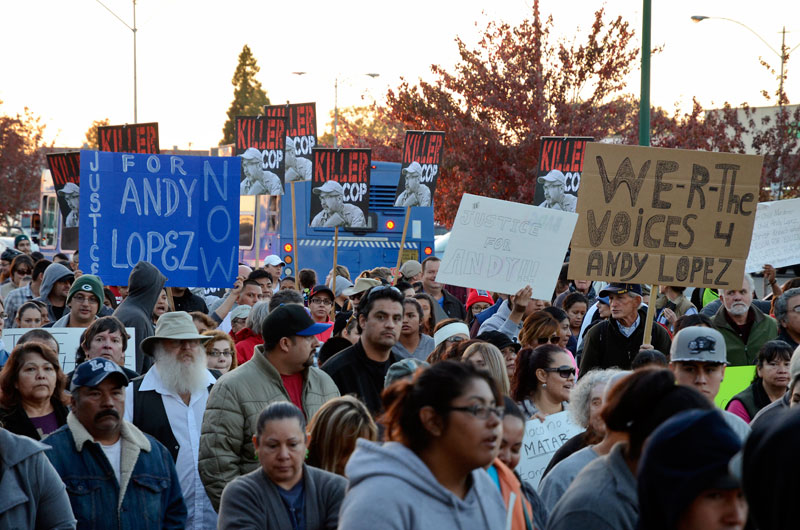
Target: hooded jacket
x=31, y=492
x=144, y=287
x=53, y=273
x=391, y=488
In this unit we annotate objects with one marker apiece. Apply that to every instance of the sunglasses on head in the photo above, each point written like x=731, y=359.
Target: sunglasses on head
x=564, y=371
x=555, y=339
x=380, y=288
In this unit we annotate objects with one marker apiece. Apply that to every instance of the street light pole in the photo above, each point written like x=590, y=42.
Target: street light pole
x=783, y=55
x=133, y=29
x=644, y=97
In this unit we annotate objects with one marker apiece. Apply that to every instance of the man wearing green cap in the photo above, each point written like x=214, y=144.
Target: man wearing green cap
x=84, y=301
x=23, y=244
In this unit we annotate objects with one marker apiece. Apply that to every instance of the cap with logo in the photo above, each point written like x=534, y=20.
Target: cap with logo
x=321, y=288
x=92, y=373
x=175, y=325
x=621, y=288
x=87, y=283
x=699, y=344
x=329, y=187
x=289, y=320
x=21, y=237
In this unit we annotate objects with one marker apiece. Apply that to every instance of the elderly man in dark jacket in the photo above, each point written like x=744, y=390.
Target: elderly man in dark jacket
x=616, y=341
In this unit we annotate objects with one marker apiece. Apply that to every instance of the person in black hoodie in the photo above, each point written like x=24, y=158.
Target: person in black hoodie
x=769, y=472
x=144, y=287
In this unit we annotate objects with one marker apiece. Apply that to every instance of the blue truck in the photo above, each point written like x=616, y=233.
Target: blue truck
x=358, y=249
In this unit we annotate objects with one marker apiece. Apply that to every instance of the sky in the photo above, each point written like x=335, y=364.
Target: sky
x=72, y=62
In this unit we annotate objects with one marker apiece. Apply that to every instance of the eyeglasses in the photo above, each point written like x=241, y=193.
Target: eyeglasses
x=555, y=339
x=454, y=338
x=24, y=272
x=321, y=301
x=564, y=371
x=83, y=298
x=220, y=353
x=481, y=412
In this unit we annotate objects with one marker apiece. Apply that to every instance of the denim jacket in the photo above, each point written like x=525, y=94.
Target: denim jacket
x=148, y=494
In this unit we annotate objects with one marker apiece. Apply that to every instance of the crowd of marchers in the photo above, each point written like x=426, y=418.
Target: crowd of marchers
x=388, y=400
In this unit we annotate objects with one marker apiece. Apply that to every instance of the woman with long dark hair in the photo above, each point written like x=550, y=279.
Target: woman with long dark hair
x=769, y=382
x=442, y=427
x=543, y=380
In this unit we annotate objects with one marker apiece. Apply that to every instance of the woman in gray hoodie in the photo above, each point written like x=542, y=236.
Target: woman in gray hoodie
x=443, y=427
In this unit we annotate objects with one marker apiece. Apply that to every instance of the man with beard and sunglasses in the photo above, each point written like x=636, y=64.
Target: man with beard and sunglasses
x=116, y=475
x=281, y=369
x=744, y=326
x=169, y=401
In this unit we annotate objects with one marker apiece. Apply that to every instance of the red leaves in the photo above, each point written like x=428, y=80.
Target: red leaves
x=21, y=162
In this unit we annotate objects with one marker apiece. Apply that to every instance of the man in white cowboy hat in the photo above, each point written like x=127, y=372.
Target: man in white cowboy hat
x=169, y=401
x=71, y=193
x=257, y=180
x=416, y=193
x=334, y=210
x=555, y=197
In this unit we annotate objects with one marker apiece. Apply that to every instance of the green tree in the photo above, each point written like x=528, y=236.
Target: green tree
x=91, y=134
x=249, y=97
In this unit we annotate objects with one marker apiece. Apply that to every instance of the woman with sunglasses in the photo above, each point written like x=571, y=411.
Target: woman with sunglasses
x=543, y=380
x=442, y=428
x=19, y=275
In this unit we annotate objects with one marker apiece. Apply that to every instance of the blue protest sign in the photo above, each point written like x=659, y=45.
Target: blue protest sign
x=180, y=213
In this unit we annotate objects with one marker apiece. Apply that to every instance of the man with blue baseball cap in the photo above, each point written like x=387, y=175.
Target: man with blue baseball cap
x=114, y=473
x=281, y=369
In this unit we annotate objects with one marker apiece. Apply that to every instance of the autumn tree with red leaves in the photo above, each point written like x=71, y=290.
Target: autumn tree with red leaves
x=516, y=86
x=21, y=162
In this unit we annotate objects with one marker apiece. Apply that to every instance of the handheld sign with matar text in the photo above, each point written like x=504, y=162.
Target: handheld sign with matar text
x=503, y=246
x=664, y=216
x=559, y=174
x=541, y=441
x=301, y=137
x=422, y=160
x=340, y=188
x=260, y=143
x=129, y=138
x=179, y=213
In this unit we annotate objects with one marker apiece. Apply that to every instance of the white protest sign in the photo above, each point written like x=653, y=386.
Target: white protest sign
x=503, y=246
x=541, y=441
x=776, y=235
x=68, y=341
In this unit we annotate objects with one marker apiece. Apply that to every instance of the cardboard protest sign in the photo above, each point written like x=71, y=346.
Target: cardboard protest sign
x=736, y=379
x=776, y=235
x=541, y=441
x=301, y=137
x=68, y=341
x=129, y=138
x=559, y=174
x=422, y=158
x=65, y=172
x=664, y=216
x=502, y=246
x=340, y=188
x=180, y=213
x=260, y=142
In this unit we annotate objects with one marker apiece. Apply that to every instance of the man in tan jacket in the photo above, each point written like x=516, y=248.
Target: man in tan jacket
x=280, y=370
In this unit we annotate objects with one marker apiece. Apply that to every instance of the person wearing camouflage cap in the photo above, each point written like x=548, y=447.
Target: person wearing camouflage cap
x=334, y=210
x=257, y=180
x=698, y=359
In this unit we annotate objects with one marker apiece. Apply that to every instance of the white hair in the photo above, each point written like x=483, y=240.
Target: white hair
x=181, y=378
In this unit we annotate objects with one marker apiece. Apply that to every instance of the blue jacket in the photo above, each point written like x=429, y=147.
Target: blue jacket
x=148, y=495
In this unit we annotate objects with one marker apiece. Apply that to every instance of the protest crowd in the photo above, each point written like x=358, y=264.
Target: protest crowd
x=388, y=398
